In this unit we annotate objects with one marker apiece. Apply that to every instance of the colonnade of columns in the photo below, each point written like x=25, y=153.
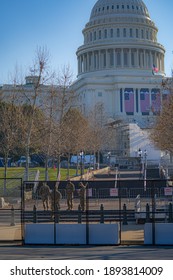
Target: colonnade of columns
x=113, y=58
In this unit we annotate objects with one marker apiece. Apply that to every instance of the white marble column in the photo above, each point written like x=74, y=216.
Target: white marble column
x=150, y=55
x=123, y=99
x=130, y=58
x=87, y=62
x=122, y=58
x=137, y=58
x=79, y=63
x=82, y=63
x=145, y=62
x=115, y=58
x=99, y=60
x=107, y=59
x=139, y=103
x=155, y=61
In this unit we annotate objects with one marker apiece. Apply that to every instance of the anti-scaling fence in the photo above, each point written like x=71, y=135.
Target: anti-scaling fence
x=131, y=204
x=11, y=224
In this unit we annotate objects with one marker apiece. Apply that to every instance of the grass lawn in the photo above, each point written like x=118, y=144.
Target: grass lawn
x=18, y=172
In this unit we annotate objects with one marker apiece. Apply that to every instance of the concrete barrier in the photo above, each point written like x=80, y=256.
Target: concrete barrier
x=89, y=175
x=74, y=234
x=163, y=234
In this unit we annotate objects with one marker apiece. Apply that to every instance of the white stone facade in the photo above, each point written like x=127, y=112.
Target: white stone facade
x=115, y=62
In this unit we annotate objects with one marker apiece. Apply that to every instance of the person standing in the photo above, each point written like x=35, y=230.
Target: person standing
x=70, y=188
x=82, y=196
x=44, y=192
x=56, y=196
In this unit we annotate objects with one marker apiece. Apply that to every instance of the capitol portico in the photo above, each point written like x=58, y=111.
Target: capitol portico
x=116, y=59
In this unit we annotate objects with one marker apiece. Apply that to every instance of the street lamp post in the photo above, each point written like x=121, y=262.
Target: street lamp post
x=143, y=165
x=145, y=169
x=81, y=163
x=140, y=160
x=109, y=158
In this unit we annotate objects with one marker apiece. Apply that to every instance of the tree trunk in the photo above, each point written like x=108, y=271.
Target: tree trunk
x=5, y=174
x=46, y=169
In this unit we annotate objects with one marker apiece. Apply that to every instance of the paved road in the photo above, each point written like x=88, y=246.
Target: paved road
x=17, y=252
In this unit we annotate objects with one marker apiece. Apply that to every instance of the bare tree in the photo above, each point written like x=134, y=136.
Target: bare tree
x=75, y=127
x=162, y=132
x=39, y=75
x=10, y=129
x=97, y=136
x=64, y=101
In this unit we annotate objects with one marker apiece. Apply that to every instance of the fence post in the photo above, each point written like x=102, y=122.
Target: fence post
x=101, y=214
x=79, y=215
x=34, y=214
x=170, y=217
x=125, y=215
x=12, y=216
x=57, y=215
x=147, y=213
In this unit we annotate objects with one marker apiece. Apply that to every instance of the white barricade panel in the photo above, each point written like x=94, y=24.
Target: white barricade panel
x=104, y=234
x=163, y=234
x=39, y=234
x=70, y=234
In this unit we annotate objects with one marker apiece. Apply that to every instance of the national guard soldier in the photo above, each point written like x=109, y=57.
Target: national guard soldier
x=70, y=188
x=82, y=195
x=56, y=196
x=44, y=192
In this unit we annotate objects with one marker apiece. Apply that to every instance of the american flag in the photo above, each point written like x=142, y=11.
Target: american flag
x=129, y=100
x=154, y=69
x=144, y=100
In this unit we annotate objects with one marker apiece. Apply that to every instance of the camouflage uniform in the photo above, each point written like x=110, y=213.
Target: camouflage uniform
x=70, y=188
x=55, y=199
x=82, y=195
x=45, y=194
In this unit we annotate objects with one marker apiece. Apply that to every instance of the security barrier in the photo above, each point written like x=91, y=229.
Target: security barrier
x=128, y=206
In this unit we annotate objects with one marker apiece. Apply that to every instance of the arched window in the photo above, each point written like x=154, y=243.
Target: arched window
x=111, y=33
x=118, y=32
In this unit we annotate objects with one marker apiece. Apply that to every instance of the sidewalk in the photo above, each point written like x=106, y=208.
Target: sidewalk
x=14, y=252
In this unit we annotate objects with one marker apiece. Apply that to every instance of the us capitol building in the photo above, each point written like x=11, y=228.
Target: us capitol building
x=115, y=65
x=120, y=71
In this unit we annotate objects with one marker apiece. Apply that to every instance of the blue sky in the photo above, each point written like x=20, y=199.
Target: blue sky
x=58, y=24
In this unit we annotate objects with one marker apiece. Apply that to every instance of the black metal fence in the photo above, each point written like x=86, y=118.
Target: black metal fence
x=11, y=224
x=132, y=203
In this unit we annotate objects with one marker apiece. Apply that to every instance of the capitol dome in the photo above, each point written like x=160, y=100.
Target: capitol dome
x=120, y=34
x=115, y=7
x=116, y=59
